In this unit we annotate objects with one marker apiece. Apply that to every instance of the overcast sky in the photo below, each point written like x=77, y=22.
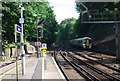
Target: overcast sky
x=64, y=9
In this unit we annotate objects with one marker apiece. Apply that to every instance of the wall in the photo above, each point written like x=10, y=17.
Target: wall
x=108, y=47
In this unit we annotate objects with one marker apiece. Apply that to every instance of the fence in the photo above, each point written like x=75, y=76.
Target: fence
x=93, y=16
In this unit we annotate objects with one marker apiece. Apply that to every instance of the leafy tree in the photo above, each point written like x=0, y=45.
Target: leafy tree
x=66, y=30
x=80, y=29
x=9, y=18
x=102, y=7
x=11, y=15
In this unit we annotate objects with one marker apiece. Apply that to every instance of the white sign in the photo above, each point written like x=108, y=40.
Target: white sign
x=37, y=43
x=44, y=46
x=21, y=20
x=18, y=28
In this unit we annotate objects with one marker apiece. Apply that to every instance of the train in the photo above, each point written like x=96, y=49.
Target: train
x=84, y=43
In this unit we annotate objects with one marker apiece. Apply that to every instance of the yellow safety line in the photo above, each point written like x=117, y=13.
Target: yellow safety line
x=7, y=72
x=12, y=69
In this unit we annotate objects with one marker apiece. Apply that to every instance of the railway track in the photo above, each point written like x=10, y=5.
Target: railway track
x=117, y=70
x=65, y=66
x=57, y=61
x=91, y=65
x=98, y=59
x=90, y=73
x=102, y=64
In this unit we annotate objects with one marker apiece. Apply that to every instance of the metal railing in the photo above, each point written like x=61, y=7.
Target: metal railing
x=89, y=16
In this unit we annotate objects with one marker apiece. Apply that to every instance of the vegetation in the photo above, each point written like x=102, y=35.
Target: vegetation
x=66, y=30
x=96, y=31
x=74, y=28
x=11, y=15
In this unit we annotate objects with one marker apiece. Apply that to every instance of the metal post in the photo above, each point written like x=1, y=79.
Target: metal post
x=16, y=54
x=37, y=46
x=0, y=32
x=40, y=48
x=117, y=41
x=0, y=41
x=37, y=38
x=22, y=45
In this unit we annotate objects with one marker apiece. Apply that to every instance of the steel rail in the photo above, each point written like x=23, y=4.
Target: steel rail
x=57, y=61
x=107, y=75
x=99, y=63
x=88, y=76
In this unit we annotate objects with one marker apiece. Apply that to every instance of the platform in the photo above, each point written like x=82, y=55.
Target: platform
x=36, y=68
x=51, y=69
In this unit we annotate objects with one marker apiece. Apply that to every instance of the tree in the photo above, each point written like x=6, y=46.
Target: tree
x=101, y=7
x=11, y=15
x=66, y=30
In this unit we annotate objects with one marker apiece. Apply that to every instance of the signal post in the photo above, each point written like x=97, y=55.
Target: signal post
x=40, y=35
x=21, y=21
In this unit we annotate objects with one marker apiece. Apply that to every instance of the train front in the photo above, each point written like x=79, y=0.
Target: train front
x=87, y=43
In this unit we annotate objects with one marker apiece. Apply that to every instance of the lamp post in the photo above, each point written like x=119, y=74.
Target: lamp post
x=0, y=41
x=21, y=21
x=36, y=15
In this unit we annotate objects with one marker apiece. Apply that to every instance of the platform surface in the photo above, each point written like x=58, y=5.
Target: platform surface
x=36, y=68
x=51, y=70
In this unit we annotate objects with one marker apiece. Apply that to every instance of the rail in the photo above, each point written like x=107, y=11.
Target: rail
x=65, y=75
x=99, y=63
x=107, y=75
x=88, y=76
x=95, y=16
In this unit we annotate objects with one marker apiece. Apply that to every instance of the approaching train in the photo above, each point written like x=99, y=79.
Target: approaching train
x=85, y=42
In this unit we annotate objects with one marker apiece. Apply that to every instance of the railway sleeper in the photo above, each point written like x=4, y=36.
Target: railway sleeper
x=89, y=76
x=117, y=70
x=107, y=75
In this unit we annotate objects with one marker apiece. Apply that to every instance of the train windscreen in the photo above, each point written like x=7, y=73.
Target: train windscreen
x=88, y=42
